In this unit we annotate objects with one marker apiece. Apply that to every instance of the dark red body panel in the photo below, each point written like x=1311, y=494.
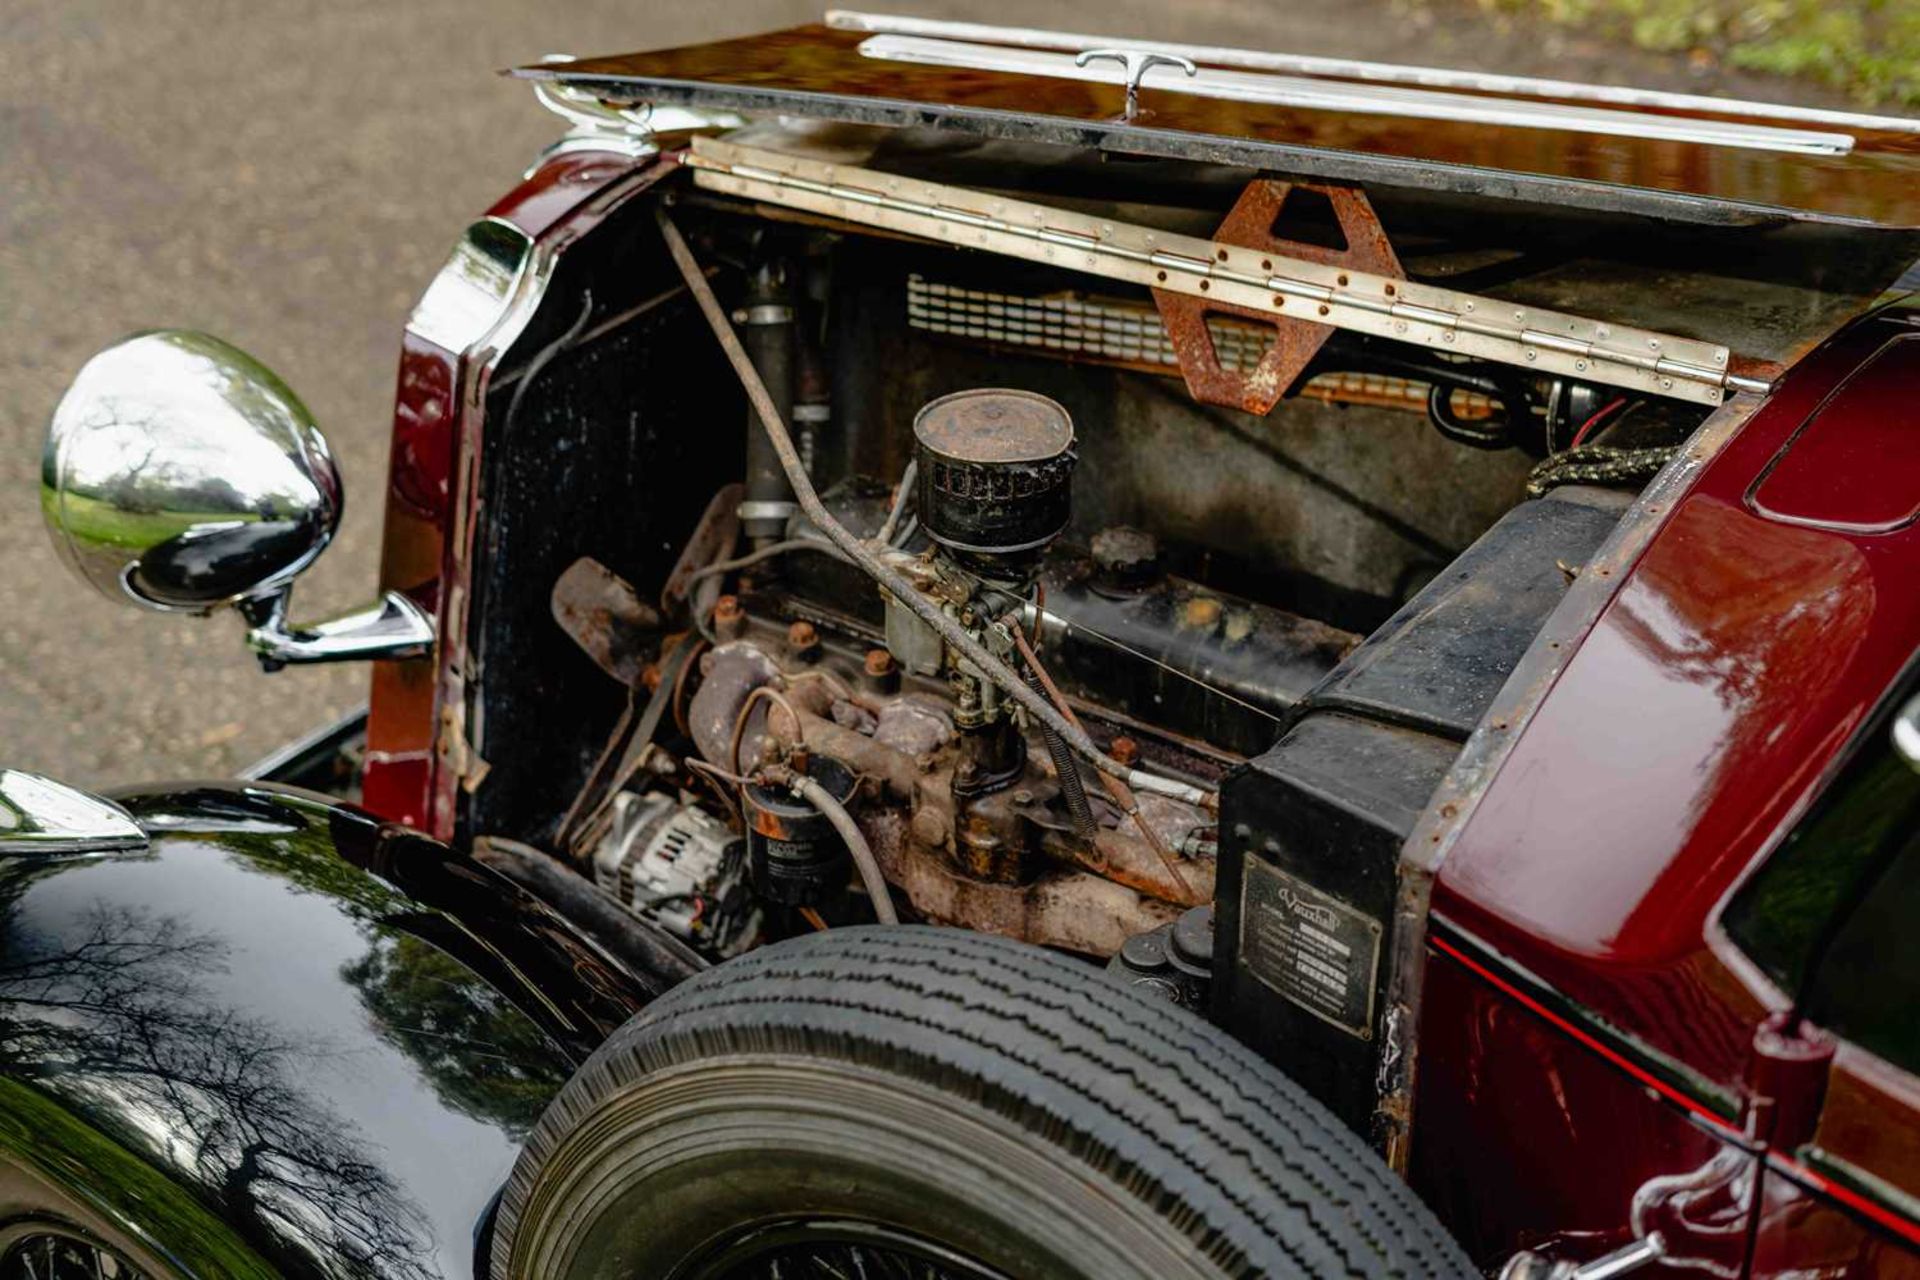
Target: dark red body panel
x=437, y=410
x=1527, y=1138
x=1693, y=726
x=394, y=780
x=1865, y=428
x=1694, y=723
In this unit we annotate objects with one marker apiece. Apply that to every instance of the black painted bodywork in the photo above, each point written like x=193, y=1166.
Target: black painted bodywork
x=285, y=1038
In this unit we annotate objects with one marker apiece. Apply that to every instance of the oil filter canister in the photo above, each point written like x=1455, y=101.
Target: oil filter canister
x=795, y=856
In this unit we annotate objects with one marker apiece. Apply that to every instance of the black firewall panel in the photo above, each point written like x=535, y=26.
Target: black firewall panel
x=1311, y=830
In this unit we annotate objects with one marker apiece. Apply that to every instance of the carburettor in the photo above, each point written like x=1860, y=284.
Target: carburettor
x=994, y=488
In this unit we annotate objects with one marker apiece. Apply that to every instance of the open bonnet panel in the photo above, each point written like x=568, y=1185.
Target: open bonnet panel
x=1666, y=244
x=1341, y=250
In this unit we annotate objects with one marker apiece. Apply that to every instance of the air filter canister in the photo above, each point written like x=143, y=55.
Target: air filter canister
x=995, y=473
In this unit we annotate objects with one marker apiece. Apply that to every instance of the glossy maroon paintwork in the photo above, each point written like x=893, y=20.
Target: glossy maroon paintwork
x=1691, y=727
x=1689, y=731
x=394, y=779
x=438, y=407
x=814, y=70
x=1865, y=427
x=1527, y=1138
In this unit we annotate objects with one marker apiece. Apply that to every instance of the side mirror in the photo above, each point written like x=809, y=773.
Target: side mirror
x=1906, y=733
x=182, y=475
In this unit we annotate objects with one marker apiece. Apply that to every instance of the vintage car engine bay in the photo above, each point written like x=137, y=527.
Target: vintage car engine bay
x=1105, y=588
x=1003, y=654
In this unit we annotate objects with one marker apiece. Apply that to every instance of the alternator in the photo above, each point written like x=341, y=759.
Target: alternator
x=681, y=868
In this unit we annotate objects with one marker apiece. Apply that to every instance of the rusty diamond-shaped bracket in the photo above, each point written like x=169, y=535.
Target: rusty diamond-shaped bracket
x=1250, y=223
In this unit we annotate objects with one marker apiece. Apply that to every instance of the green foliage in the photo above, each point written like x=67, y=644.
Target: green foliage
x=1868, y=48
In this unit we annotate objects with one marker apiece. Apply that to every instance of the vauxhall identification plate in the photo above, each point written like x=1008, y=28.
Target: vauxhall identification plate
x=1309, y=946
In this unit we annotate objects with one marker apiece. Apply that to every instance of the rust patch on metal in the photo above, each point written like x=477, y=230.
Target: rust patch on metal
x=713, y=536
x=1296, y=342
x=605, y=616
x=1126, y=859
x=1073, y=910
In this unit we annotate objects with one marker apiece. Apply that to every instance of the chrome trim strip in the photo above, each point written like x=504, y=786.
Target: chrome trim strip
x=630, y=131
x=392, y=627
x=469, y=294
x=1370, y=72
x=1375, y=99
x=39, y=816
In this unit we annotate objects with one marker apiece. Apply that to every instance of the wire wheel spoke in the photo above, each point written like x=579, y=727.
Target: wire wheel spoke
x=35, y=1251
x=804, y=1250
x=848, y=1262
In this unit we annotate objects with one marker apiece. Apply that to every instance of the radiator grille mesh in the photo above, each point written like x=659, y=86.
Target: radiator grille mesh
x=1071, y=324
x=1081, y=327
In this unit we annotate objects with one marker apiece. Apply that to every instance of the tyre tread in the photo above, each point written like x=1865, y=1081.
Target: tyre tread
x=1160, y=1103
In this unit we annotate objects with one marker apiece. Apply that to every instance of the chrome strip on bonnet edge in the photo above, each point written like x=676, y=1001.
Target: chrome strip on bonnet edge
x=41, y=816
x=469, y=295
x=1373, y=99
x=1373, y=72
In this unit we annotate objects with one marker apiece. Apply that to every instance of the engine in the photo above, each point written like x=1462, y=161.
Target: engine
x=1004, y=628
x=977, y=815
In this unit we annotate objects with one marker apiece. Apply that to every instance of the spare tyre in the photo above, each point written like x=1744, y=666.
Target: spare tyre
x=913, y=1103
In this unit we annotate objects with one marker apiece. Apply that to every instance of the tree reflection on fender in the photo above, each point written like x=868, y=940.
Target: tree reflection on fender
x=286, y=1037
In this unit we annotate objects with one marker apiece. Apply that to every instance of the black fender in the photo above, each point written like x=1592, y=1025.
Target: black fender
x=283, y=1038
